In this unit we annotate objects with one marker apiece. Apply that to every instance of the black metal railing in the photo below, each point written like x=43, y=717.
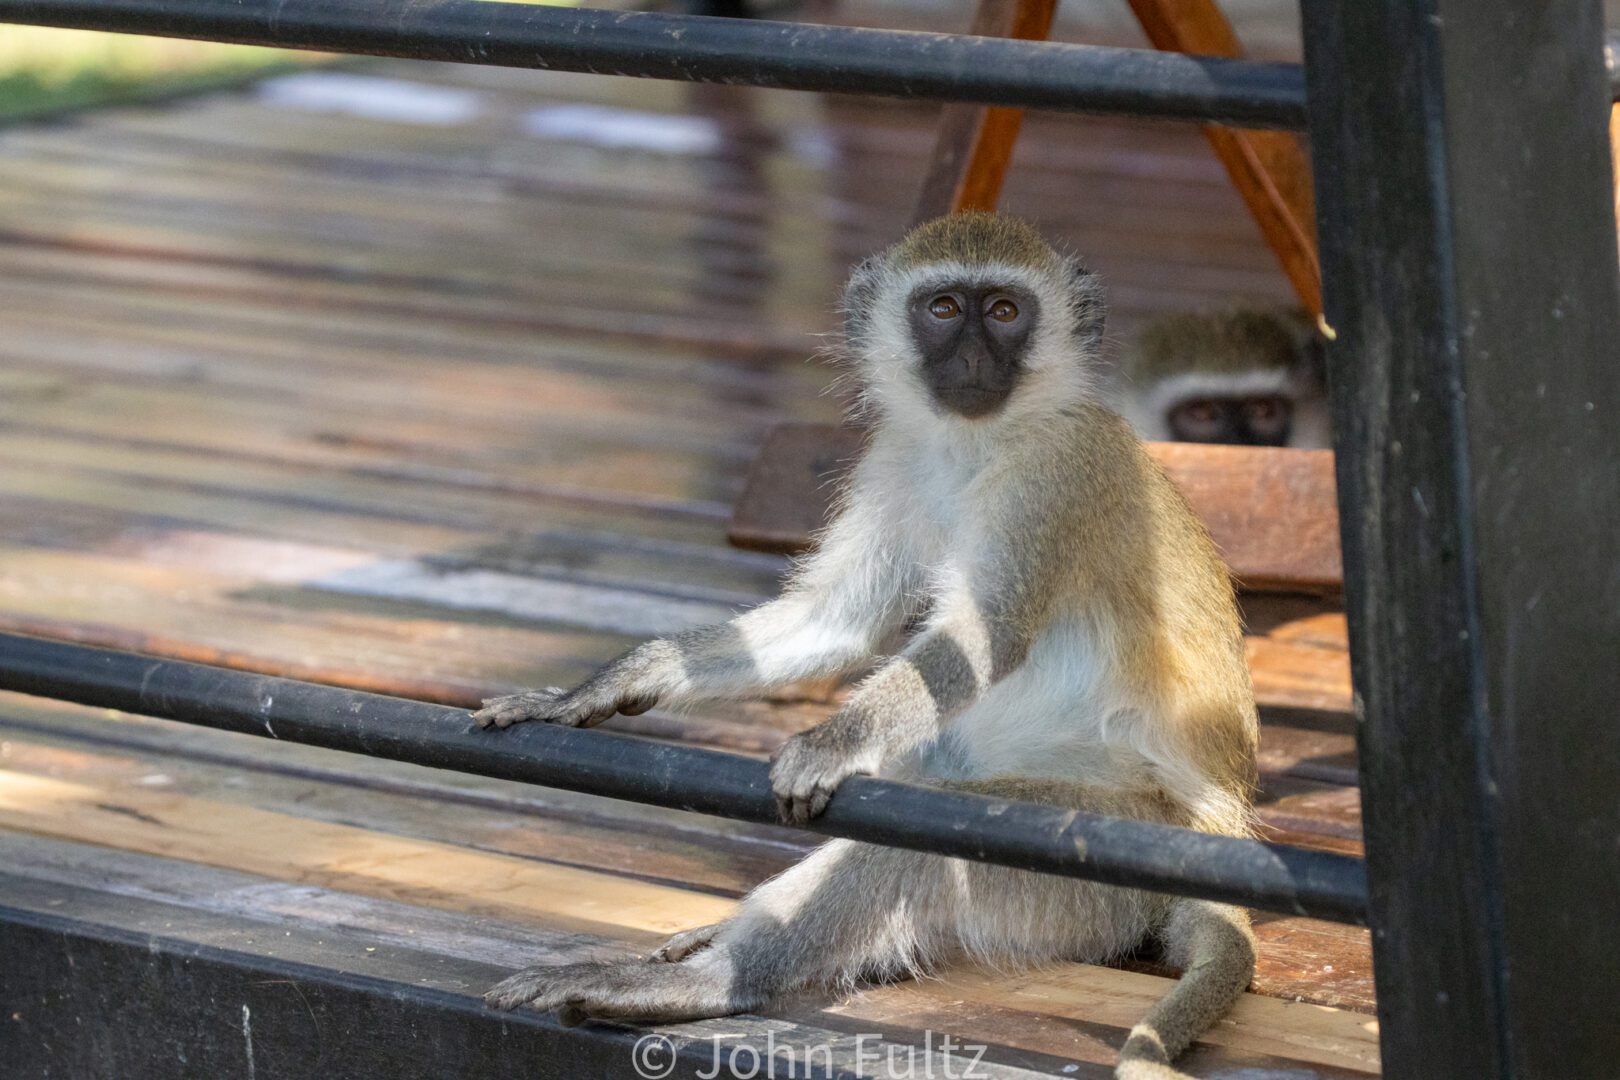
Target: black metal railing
x=1029, y=836
x=785, y=55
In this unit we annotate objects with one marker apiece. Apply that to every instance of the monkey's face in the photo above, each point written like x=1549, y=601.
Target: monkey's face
x=971, y=341
x=972, y=325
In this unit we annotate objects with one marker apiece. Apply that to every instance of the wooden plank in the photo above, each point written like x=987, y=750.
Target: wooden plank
x=444, y=877
x=1272, y=512
x=1300, y=959
x=684, y=851
x=351, y=859
x=290, y=940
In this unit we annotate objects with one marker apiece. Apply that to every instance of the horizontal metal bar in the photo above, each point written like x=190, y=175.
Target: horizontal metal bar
x=1028, y=836
x=796, y=56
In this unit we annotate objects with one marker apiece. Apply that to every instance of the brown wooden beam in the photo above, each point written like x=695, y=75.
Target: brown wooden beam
x=1272, y=511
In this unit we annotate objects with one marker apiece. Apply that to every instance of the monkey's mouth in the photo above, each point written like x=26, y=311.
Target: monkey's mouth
x=972, y=402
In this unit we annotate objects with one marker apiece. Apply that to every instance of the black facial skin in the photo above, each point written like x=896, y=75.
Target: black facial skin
x=972, y=341
x=1265, y=420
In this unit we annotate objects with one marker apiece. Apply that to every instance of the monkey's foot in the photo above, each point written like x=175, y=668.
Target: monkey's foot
x=685, y=943
x=621, y=990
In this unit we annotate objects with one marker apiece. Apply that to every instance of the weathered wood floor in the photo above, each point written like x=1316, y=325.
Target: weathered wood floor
x=458, y=401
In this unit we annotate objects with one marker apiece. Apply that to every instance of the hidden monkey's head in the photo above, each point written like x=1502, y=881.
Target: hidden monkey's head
x=1250, y=377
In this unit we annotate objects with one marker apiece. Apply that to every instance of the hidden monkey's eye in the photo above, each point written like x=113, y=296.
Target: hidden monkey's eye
x=944, y=307
x=1003, y=310
x=1268, y=419
x=1201, y=421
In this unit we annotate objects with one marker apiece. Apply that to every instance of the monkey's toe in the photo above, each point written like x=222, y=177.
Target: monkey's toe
x=514, y=990
x=684, y=944
x=546, y=988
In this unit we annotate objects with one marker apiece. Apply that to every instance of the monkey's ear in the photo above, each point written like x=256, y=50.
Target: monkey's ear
x=1087, y=301
x=1310, y=347
x=861, y=292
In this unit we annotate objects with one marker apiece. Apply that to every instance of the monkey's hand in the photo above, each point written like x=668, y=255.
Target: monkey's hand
x=809, y=767
x=585, y=706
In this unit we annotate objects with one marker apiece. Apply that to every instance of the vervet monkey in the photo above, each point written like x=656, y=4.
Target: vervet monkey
x=1075, y=642
x=1249, y=377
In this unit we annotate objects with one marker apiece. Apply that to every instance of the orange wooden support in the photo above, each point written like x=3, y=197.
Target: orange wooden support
x=1269, y=168
x=975, y=143
x=1614, y=149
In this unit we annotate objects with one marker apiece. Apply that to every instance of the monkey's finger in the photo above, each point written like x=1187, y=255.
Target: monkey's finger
x=545, y=705
x=819, y=799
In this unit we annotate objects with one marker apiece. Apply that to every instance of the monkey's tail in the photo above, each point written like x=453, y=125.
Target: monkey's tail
x=1215, y=945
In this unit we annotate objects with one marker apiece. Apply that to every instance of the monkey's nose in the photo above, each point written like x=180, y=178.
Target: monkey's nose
x=976, y=363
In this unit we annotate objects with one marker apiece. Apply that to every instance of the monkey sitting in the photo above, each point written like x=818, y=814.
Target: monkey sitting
x=1247, y=377
x=1077, y=643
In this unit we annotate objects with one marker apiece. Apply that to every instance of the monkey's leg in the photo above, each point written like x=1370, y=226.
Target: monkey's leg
x=852, y=911
x=1215, y=945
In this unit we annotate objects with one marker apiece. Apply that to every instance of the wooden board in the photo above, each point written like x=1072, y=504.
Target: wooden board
x=551, y=878
x=1273, y=512
x=314, y=939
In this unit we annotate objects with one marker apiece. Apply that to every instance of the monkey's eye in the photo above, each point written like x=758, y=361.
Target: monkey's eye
x=1003, y=310
x=944, y=307
x=1268, y=418
x=1202, y=421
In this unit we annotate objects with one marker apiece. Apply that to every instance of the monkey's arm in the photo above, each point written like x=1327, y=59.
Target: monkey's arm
x=842, y=601
x=972, y=641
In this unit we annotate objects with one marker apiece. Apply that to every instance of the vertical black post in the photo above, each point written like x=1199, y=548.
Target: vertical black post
x=1466, y=217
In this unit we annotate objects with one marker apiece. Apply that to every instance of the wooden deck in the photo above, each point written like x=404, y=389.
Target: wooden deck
x=450, y=404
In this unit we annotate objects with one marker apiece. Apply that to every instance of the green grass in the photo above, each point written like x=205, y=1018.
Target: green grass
x=43, y=70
